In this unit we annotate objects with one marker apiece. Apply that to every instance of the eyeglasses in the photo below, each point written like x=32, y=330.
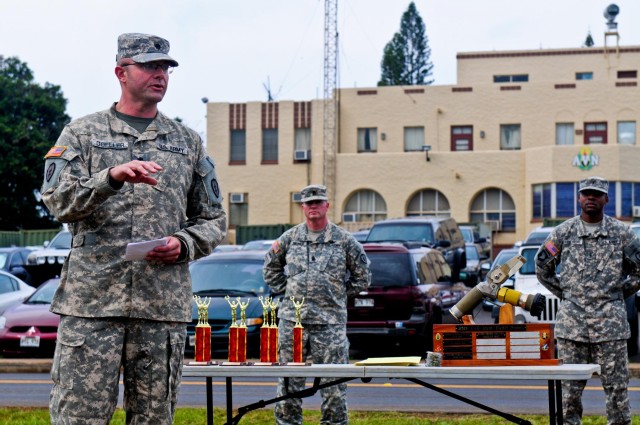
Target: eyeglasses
x=153, y=66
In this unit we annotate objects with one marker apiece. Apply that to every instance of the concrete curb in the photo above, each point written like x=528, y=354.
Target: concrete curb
x=44, y=366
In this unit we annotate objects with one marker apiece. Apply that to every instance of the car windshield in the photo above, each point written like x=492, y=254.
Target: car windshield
x=61, y=241
x=421, y=232
x=471, y=252
x=467, y=234
x=530, y=266
x=3, y=259
x=387, y=271
x=228, y=275
x=44, y=294
x=536, y=238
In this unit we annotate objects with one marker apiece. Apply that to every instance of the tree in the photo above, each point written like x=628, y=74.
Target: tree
x=405, y=61
x=31, y=119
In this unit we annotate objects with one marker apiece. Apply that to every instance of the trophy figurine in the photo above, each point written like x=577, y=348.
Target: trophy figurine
x=233, y=330
x=273, y=332
x=297, y=332
x=203, y=330
x=242, y=332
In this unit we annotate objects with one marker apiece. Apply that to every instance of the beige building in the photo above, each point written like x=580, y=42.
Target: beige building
x=505, y=145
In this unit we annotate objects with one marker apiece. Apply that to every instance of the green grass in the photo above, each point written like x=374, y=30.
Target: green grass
x=197, y=416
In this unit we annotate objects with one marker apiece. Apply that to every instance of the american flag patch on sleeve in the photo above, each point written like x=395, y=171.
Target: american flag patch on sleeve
x=55, y=152
x=551, y=248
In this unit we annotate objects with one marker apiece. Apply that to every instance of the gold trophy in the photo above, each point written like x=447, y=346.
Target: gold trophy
x=237, y=333
x=203, y=330
x=268, y=332
x=273, y=332
x=297, y=332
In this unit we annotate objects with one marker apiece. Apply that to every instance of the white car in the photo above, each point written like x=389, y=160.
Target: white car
x=12, y=291
x=525, y=281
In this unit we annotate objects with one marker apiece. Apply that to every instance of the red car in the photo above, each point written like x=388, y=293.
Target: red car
x=29, y=329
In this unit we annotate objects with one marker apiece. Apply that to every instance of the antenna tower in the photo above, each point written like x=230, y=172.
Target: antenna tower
x=330, y=101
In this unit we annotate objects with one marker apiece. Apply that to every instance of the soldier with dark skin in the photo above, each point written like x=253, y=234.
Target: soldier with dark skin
x=128, y=174
x=318, y=264
x=600, y=258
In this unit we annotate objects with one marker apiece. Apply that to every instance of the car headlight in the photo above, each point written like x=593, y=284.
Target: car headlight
x=51, y=260
x=3, y=320
x=40, y=260
x=254, y=321
x=61, y=259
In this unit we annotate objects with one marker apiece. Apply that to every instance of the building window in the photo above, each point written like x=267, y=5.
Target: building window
x=564, y=133
x=494, y=205
x=510, y=137
x=518, y=78
x=627, y=74
x=270, y=146
x=238, y=148
x=367, y=139
x=413, y=138
x=365, y=205
x=461, y=138
x=429, y=202
x=541, y=201
x=595, y=133
x=626, y=132
x=584, y=75
x=238, y=214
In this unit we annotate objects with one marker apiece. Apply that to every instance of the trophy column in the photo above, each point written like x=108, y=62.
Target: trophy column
x=297, y=332
x=237, y=333
x=203, y=330
x=268, y=331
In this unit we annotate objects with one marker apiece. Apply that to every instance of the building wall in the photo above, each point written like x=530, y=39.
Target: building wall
x=551, y=95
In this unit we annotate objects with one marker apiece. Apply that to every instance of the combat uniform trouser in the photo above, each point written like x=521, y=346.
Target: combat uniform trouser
x=86, y=370
x=322, y=344
x=614, y=374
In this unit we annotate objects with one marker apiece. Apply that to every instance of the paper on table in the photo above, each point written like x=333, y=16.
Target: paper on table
x=138, y=250
x=390, y=361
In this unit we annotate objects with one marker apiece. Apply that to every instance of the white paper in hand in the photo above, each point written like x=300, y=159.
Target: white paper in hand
x=138, y=250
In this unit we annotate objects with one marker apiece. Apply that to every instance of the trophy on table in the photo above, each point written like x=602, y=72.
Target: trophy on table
x=238, y=333
x=297, y=332
x=268, y=331
x=203, y=330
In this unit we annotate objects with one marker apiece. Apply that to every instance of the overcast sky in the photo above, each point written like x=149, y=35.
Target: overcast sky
x=230, y=50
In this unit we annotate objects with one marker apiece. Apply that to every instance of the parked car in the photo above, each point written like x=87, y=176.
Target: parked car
x=47, y=263
x=471, y=235
x=13, y=260
x=538, y=235
x=432, y=232
x=29, y=328
x=411, y=290
x=236, y=274
x=361, y=235
x=258, y=245
x=473, y=272
x=12, y=290
x=227, y=248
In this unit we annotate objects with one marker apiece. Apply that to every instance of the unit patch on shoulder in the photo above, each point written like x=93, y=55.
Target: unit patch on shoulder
x=275, y=247
x=56, y=152
x=551, y=248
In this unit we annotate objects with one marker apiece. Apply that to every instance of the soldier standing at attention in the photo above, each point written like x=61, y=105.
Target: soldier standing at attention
x=600, y=268
x=128, y=174
x=324, y=264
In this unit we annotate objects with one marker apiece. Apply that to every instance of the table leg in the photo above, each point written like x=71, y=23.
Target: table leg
x=209, y=400
x=229, y=400
x=559, y=402
x=552, y=401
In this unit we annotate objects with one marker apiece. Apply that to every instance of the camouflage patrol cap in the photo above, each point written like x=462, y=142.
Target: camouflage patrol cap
x=594, y=183
x=142, y=48
x=315, y=192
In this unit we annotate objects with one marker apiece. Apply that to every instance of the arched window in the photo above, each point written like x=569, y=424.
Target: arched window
x=494, y=205
x=429, y=202
x=365, y=205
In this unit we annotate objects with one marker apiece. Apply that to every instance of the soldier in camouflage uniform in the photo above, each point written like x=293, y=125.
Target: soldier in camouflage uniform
x=128, y=174
x=599, y=257
x=324, y=264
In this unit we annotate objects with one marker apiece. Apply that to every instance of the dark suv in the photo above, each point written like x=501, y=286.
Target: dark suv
x=410, y=290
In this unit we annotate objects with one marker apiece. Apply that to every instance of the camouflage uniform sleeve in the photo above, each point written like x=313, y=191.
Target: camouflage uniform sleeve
x=206, y=223
x=358, y=266
x=274, y=264
x=547, y=259
x=631, y=264
x=69, y=190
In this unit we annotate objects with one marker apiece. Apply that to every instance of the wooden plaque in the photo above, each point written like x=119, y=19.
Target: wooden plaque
x=526, y=344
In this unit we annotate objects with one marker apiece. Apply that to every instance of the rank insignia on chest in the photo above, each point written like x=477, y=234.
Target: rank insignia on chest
x=551, y=248
x=56, y=152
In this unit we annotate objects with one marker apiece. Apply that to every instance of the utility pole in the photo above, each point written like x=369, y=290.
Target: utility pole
x=330, y=101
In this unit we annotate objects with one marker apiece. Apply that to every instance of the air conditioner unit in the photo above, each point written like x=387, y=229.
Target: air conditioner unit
x=636, y=211
x=237, y=198
x=349, y=217
x=302, y=155
x=296, y=197
x=496, y=225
